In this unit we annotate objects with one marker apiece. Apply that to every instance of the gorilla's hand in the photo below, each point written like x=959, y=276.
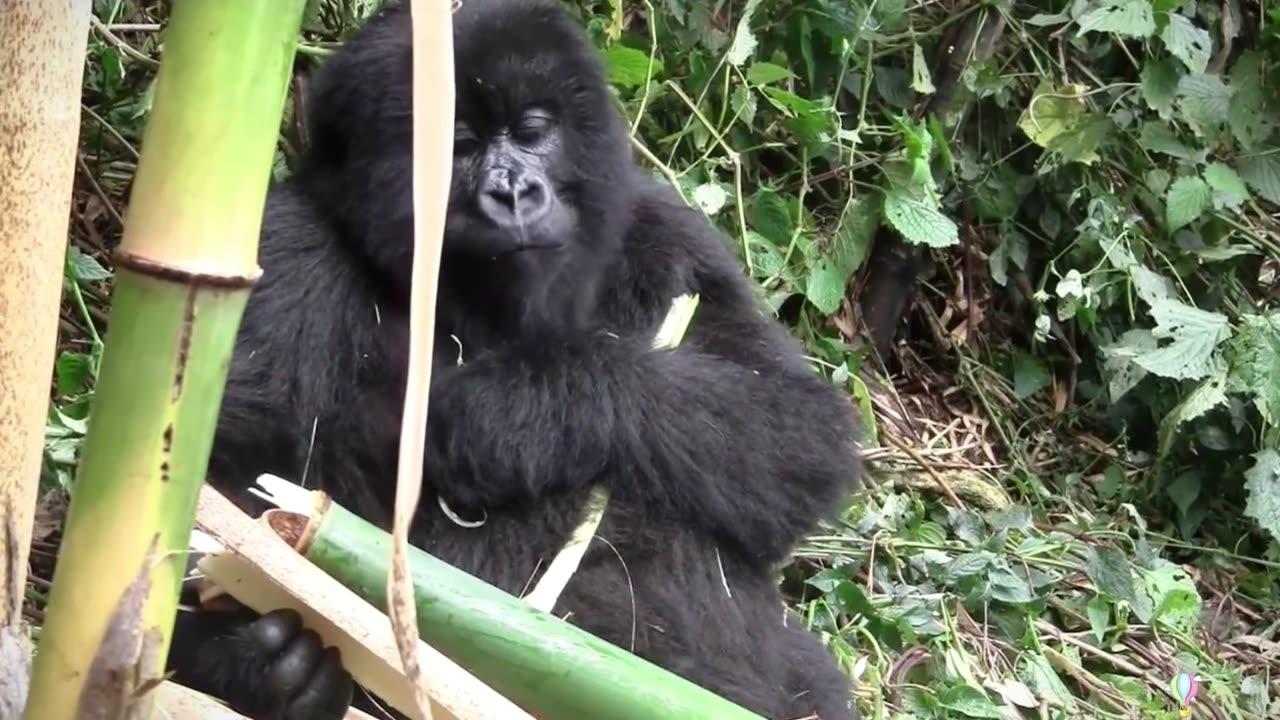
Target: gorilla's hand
x=266, y=667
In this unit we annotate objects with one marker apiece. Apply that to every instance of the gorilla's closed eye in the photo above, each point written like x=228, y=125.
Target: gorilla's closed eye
x=533, y=125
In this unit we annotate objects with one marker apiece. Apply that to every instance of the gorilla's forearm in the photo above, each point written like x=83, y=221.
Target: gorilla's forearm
x=684, y=433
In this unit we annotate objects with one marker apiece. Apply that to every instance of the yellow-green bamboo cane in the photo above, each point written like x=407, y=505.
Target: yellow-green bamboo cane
x=184, y=272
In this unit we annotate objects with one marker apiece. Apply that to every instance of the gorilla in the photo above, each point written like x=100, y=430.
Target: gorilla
x=561, y=258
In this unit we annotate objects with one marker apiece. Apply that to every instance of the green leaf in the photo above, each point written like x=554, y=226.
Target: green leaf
x=1251, y=117
x=1123, y=373
x=763, y=73
x=1196, y=335
x=1206, y=396
x=629, y=67
x=1052, y=111
x=711, y=197
x=825, y=286
x=967, y=701
x=1173, y=593
x=1099, y=612
x=1190, y=44
x=1262, y=173
x=1081, y=142
x=72, y=372
x=1229, y=191
x=1255, y=363
x=744, y=40
x=1029, y=376
x=1108, y=568
x=1188, y=198
x=770, y=217
x=1205, y=101
x=1160, y=86
x=918, y=222
x=921, y=81
x=1263, y=483
x=85, y=268
x=852, y=240
x=1157, y=137
x=1132, y=18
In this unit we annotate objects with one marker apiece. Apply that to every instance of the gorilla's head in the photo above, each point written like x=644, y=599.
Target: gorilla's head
x=541, y=166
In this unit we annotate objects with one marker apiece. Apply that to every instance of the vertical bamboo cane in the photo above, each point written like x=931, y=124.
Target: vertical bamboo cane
x=41, y=64
x=185, y=269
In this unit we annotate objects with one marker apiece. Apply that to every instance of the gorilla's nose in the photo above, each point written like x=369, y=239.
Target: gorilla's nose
x=513, y=197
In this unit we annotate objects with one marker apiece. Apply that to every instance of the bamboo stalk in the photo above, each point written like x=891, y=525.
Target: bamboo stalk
x=40, y=82
x=264, y=573
x=549, y=667
x=185, y=269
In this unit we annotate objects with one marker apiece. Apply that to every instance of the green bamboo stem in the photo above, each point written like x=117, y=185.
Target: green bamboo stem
x=185, y=269
x=549, y=667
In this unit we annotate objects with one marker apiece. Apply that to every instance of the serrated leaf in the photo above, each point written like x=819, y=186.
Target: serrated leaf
x=1051, y=112
x=1252, y=119
x=770, y=217
x=711, y=197
x=1157, y=137
x=1081, y=142
x=1123, y=373
x=1173, y=593
x=1255, y=363
x=744, y=40
x=1229, y=191
x=629, y=67
x=1205, y=102
x=1187, y=200
x=1132, y=18
x=921, y=81
x=1262, y=173
x=1190, y=44
x=1196, y=335
x=1152, y=287
x=1206, y=396
x=825, y=286
x=1160, y=86
x=852, y=240
x=918, y=222
x=1263, y=483
x=1108, y=569
x=763, y=73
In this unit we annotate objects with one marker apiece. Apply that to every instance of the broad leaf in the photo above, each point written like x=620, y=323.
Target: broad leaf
x=1205, y=101
x=1263, y=483
x=1262, y=173
x=1160, y=86
x=1188, y=198
x=1190, y=44
x=919, y=223
x=1132, y=18
x=1196, y=335
x=629, y=67
x=1229, y=191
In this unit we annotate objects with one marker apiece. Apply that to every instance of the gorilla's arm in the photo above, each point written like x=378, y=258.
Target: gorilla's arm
x=732, y=430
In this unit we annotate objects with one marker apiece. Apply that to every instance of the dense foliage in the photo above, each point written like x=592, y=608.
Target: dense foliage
x=1077, y=436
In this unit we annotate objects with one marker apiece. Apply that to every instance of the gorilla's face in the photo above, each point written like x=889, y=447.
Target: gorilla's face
x=510, y=183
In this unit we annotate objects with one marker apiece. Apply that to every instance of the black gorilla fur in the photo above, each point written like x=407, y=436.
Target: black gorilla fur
x=718, y=456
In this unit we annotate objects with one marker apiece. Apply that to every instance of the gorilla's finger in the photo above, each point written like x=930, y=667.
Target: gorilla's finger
x=275, y=630
x=327, y=694
x=293, y=668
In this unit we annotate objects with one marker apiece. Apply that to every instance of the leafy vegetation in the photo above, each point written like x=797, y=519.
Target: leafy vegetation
x=1076, y=440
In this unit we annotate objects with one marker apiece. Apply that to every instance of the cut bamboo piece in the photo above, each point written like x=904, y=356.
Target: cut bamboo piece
x=264, y=573
x=176, y=702
x=548, y=666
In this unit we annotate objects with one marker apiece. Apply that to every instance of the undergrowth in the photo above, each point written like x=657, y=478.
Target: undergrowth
x=1073, y=443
